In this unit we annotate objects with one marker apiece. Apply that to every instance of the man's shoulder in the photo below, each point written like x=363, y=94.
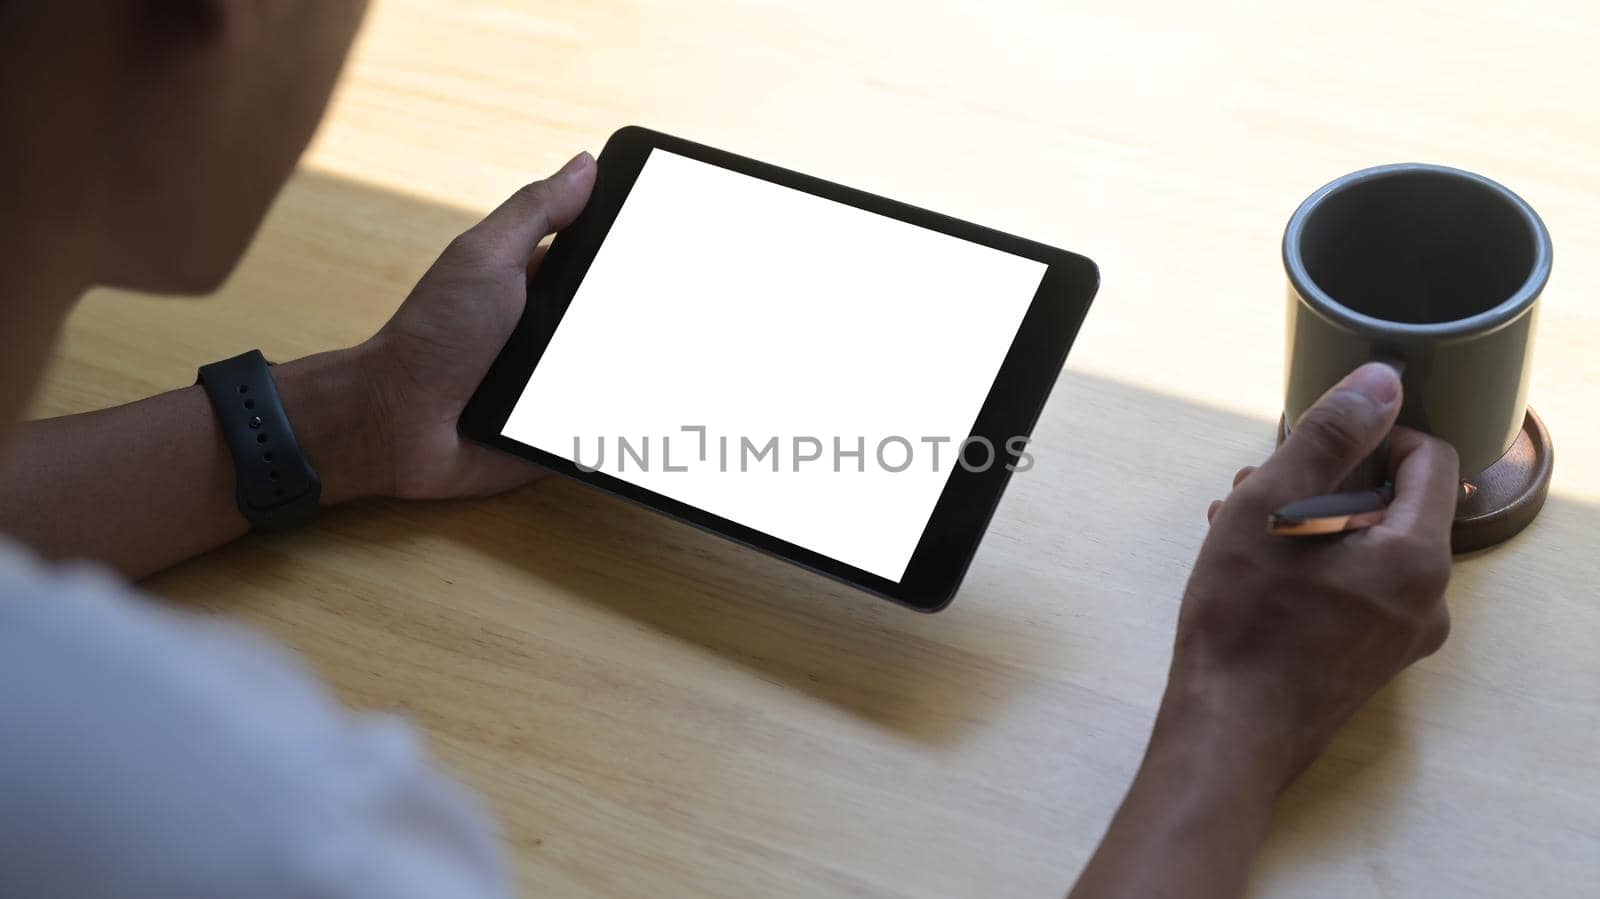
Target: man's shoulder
x=45, y=601
x=85, y=614
x=146, y=732
x=24, y=576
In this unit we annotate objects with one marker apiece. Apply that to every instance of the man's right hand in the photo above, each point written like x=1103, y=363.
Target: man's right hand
x=1280, y=639
x=1291, y=635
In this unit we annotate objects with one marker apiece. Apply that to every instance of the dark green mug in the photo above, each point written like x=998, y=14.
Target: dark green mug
x=1433, y=267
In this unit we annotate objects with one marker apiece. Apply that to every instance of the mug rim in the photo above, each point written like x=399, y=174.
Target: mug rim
x=1490, y=319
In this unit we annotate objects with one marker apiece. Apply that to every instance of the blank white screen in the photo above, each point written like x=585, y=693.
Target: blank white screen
x=757, y=311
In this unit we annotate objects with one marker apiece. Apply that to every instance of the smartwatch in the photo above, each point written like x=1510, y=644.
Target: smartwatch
x=277, y=489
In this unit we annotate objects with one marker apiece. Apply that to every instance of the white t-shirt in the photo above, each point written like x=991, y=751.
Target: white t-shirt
x=149, y=753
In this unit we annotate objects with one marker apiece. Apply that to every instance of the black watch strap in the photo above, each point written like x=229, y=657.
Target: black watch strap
x=277, y=487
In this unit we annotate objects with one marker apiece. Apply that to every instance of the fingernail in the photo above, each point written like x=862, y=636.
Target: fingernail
x=576, y=164
x=1375, y=381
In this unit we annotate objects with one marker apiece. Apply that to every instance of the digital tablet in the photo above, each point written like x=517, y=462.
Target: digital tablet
x=840, y=380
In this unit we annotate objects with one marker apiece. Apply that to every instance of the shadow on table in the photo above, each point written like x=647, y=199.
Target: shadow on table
x=936, y=678
x=931, y=678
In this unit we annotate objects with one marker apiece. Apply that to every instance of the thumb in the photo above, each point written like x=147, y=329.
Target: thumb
x=1332, y=437
x=510, y=233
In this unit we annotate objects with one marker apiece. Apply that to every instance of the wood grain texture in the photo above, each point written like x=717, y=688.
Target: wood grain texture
x=650, y=711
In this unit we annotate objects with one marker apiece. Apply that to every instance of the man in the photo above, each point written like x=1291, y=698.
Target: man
x=150, y=754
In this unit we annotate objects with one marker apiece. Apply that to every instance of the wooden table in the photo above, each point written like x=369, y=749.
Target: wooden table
x=651, y=711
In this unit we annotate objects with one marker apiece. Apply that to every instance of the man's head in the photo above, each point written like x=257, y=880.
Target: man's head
x=161, y=130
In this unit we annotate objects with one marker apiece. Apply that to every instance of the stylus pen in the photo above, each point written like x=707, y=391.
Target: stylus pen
x=1337, y=512
x=1331, y=514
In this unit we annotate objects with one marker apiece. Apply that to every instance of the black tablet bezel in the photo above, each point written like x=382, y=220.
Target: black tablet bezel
x=1012, y=407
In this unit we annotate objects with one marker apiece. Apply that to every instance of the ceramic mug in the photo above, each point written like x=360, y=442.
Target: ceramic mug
x=1433, y=267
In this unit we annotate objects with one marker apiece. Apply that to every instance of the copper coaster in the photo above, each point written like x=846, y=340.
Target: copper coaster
x=1508, y=494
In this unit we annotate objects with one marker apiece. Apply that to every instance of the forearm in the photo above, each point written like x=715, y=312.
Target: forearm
x=1195, y=814
x=146, y=485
